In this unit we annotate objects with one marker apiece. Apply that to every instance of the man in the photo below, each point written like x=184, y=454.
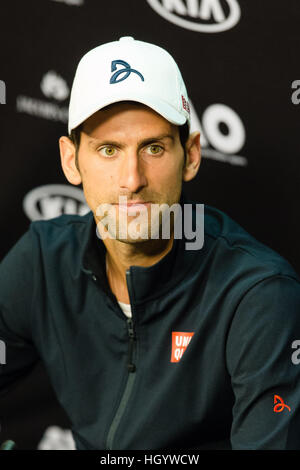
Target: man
x=150, y=342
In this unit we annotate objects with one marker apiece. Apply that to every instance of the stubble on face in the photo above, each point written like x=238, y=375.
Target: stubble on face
x=102, y=182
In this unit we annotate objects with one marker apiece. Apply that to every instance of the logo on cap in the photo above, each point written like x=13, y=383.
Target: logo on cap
x=185, y=104
x=126, y=70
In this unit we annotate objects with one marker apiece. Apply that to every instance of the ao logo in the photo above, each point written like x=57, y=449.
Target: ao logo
x=53, y=200
x=195, y=14
x=213, y=118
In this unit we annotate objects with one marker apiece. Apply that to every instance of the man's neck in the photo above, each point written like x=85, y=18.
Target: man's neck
x=120, y=256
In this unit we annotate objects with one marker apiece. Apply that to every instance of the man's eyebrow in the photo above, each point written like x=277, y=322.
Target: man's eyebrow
x=95, y=142
x=155, y=139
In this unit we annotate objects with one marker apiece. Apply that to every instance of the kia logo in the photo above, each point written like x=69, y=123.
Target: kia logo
x=195, y=14
x=53, y=200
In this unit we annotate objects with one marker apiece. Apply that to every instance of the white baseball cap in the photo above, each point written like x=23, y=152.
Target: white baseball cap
x=128, y=70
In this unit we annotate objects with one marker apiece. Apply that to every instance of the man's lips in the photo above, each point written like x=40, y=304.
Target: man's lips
x=133, y=203
x=134, y=206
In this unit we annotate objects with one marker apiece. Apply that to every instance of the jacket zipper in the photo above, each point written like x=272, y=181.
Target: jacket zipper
x=131, y=375
x=132, y=339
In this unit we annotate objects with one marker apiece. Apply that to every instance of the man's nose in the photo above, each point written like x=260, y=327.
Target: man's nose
x=132, y=175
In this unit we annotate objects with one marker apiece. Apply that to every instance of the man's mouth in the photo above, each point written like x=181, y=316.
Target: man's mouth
x=134, y=206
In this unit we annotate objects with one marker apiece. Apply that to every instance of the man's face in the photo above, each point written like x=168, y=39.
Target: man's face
x=129, y=150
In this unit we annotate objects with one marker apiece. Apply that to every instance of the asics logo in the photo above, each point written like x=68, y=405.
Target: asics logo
x=125, y=71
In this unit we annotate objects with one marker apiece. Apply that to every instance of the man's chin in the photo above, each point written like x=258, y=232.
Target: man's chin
x=133, y=241
x=132, y=236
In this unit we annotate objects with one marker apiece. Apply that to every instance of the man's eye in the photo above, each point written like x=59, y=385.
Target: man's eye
x=154, y=149
x=107, y=151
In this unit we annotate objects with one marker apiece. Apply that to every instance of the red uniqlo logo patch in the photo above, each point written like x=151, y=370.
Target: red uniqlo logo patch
x=185, y=104
x=180, y=341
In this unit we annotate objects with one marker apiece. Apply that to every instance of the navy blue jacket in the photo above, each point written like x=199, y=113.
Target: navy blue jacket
x=200, y=365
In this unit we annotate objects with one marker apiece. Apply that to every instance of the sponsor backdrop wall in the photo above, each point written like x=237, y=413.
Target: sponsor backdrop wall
x=239, y=61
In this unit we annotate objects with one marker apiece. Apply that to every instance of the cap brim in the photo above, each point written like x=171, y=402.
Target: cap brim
x=160, y=106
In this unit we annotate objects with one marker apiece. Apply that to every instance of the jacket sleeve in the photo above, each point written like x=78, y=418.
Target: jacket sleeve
x=17, y=352
x=263, y=366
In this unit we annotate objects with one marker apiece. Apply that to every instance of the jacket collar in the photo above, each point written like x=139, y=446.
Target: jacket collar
x=147, y=282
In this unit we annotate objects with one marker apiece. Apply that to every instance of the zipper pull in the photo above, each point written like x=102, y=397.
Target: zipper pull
x=131, y=334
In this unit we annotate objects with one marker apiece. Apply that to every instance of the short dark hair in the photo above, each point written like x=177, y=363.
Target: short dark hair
x=76, y=133
x=75, y=138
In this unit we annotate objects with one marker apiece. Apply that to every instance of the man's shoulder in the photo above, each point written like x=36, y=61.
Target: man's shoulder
x=237, y=248
x=60, y=241
x=61, y=221
x=62, y=225
x=65, y=235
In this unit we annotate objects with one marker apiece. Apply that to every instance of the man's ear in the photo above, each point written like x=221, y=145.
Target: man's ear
x=193, y=156
x=68, y=160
